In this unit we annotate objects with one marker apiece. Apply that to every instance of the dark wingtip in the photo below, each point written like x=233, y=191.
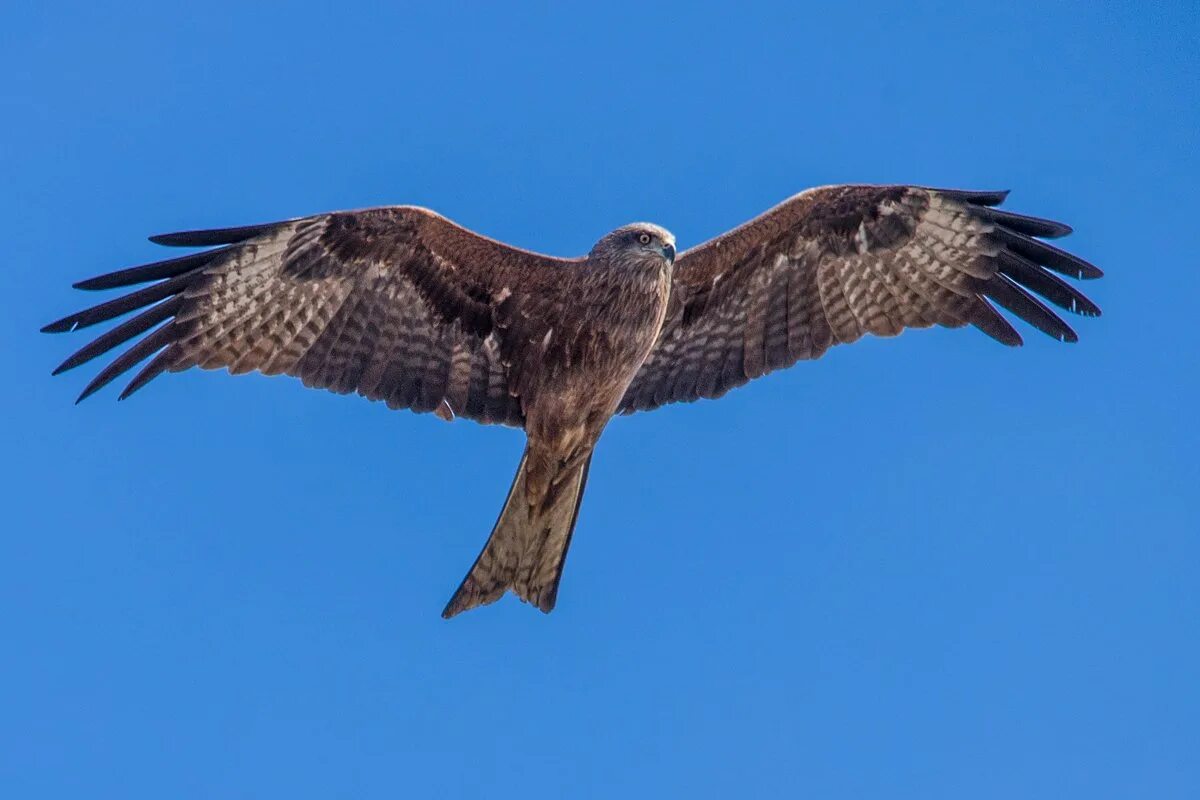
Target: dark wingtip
x=993, y=323
x=211, y=237
x=158, y=270
x=1024, y=224
x=152, y=370
x=974, y=197
x=93, y=284
x=160, y=338
x=165, y=239
x=86, y=393
x=1047, y=255
x=1067, y=337
x=1009, y=294
x=58, y=326
x=1015, y=341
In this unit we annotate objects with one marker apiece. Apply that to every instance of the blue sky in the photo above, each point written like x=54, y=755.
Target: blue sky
x=920, y=567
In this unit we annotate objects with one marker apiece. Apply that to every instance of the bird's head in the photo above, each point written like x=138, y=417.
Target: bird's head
x=639, y=244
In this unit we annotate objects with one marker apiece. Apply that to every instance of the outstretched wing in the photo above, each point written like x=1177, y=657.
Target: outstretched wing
x=397, y=304
x=835, y=263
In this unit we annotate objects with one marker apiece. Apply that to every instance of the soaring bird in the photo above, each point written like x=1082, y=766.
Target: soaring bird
x=402, y=305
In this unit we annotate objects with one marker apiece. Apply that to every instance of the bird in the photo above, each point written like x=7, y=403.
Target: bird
x=401, y=305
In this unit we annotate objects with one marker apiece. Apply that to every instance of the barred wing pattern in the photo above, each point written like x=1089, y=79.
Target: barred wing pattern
x=397, y=304
x=834, y=263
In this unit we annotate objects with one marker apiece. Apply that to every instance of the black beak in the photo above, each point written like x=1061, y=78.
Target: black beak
x=668, y=252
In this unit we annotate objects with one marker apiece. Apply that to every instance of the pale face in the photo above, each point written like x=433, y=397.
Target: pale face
x=639, y=243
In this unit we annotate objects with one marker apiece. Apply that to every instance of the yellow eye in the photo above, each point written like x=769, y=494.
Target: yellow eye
x=644, y=238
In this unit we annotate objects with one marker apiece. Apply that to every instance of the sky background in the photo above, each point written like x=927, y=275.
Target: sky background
x=925, y=567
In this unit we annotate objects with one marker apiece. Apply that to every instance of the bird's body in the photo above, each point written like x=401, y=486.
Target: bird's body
x=401, y=305
x=586, y=340
x=580, y=345
x=592, y=346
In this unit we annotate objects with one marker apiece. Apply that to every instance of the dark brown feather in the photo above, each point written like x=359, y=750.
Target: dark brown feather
x=1020, y=302
x=122, y=333
x=214, y=236
x=140, y=351
x=120, y=306
x=152, y=272
x=1047, y=255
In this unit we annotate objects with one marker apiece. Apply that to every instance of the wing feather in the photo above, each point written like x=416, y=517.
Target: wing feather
x=835, y=263
x=397, y=304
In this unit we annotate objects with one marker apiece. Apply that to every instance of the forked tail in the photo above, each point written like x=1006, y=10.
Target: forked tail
x=528, y=545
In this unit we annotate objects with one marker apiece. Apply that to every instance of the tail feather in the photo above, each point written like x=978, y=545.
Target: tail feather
x=528, y=545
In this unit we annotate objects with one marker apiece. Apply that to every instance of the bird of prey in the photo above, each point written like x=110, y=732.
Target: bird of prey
x=402, y=305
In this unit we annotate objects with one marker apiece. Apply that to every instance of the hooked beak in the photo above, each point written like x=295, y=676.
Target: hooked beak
x=668, y=251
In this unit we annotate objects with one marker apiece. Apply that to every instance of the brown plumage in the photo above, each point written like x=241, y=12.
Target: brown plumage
x=401, y=305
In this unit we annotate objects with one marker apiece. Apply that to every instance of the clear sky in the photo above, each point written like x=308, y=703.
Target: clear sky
x=925, y=567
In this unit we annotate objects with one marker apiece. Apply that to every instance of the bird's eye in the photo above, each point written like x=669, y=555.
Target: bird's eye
x=644, y=238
